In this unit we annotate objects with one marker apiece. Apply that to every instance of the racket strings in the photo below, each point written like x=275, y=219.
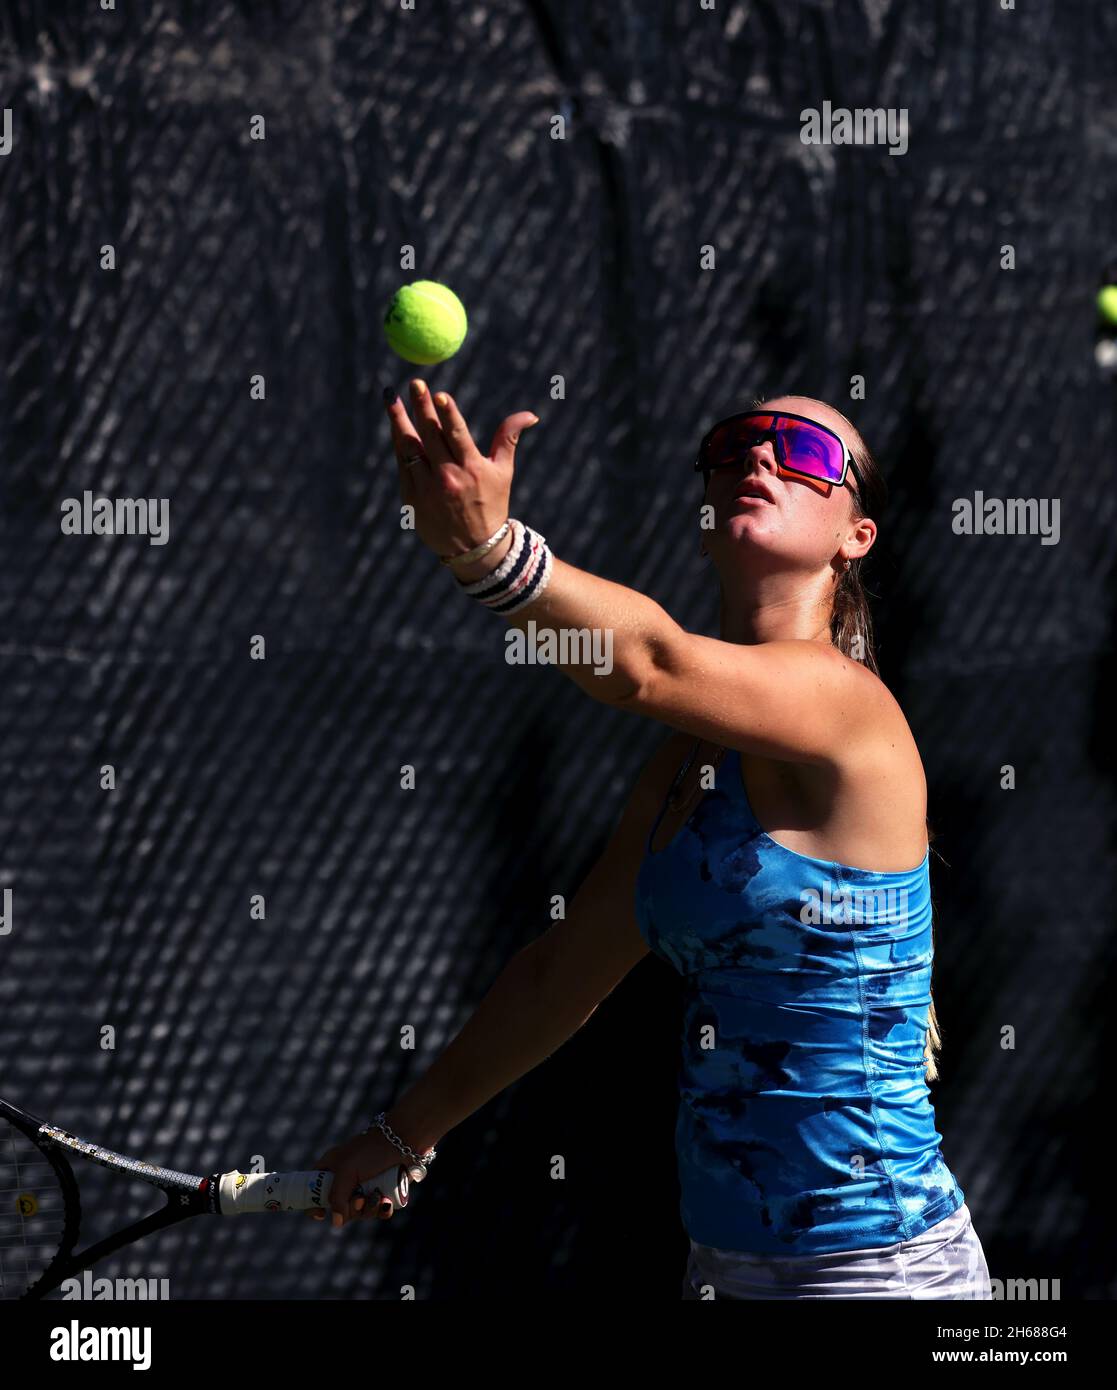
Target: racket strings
x=32, y=1212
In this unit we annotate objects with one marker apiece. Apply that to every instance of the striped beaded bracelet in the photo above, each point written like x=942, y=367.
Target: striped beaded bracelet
x=520, y=577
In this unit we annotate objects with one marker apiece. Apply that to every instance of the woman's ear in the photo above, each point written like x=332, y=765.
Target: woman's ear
x=864, y=534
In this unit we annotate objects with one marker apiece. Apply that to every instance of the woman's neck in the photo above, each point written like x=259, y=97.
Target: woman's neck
x=796, y=616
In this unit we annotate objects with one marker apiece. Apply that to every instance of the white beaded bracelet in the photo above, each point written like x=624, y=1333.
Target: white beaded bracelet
x=479, y=551
x=520, y=577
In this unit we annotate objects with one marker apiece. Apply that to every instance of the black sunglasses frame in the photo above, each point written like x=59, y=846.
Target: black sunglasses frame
x=848, y=465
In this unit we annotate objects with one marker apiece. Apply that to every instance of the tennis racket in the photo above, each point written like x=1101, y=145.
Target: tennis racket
x=40, y=1208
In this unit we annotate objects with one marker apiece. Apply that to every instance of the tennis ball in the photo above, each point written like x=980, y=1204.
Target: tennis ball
x=1107, y=303
x=425, y=322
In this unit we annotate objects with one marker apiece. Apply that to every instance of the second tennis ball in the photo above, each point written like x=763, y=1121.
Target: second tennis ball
x=425, y=322
x=1107, y=303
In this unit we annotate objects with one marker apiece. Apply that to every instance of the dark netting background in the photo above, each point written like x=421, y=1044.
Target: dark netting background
x=581, y=259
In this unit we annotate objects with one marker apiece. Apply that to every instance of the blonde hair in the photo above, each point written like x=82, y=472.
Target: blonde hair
x=934, y=1045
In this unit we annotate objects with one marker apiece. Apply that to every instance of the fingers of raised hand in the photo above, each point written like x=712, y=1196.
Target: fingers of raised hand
x=454, y=429
x=409, y=448
x=507, y=436
x=428, y=424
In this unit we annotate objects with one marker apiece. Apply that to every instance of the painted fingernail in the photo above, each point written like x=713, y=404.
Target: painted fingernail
x=418, y=386
x=385, y=1207
x=337, y=1219
x=442, y=398
x=391, y=395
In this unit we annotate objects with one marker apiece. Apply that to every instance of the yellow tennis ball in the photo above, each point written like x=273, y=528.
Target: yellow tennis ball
x=1107, y=303
x=425, y=322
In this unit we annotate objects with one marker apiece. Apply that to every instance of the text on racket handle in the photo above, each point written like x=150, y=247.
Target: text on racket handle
x=241, y=1193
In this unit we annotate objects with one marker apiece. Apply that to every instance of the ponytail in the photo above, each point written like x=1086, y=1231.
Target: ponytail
x=934, y=1044
x=851, y=622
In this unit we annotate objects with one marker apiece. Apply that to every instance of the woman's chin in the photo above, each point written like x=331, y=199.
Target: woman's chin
x=752, y=527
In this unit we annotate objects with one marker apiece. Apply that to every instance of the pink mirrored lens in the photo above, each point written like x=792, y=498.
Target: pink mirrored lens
x=811, y=450
x=806, y=448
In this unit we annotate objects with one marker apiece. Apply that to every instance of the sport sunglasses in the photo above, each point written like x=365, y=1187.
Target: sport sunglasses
x=802, y=447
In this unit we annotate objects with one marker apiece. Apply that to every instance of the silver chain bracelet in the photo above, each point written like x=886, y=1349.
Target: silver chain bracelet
x=417, y=1161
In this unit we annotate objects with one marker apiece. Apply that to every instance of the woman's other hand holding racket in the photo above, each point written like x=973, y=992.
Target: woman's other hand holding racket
x=362, y=1157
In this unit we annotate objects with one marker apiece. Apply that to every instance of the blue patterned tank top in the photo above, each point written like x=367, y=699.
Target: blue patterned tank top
x=805, y=1122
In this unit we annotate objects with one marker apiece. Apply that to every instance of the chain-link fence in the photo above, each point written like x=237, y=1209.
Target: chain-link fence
x=157, y=257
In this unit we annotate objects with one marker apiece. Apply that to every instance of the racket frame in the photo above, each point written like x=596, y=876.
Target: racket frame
x=187, y=1194
x=53, y=1143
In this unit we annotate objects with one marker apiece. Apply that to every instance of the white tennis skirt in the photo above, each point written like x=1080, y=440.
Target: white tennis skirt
x=945, y=1262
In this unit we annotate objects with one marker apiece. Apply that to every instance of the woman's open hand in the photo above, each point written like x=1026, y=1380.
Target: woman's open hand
x=460, y=495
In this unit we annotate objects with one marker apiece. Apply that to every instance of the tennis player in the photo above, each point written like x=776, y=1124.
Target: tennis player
x=774, y=851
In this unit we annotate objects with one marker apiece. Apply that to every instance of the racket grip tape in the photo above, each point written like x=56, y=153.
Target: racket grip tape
x=242, y=1193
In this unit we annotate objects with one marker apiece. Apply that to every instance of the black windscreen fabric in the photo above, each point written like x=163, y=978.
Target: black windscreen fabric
x=584, y=264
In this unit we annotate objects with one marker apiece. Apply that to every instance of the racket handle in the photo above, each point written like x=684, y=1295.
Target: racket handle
x=241, y=1193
